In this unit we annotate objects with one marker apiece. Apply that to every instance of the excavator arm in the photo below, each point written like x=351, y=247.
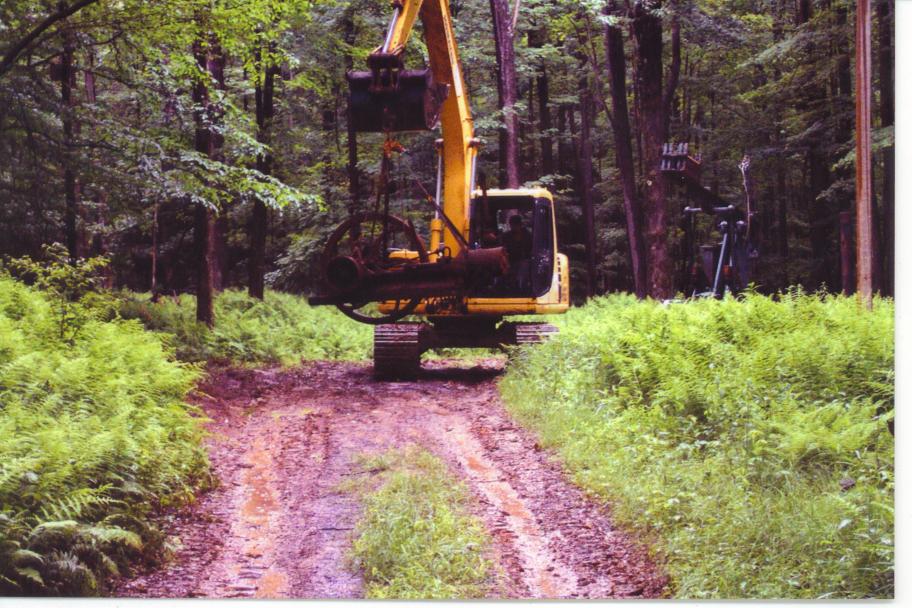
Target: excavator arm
x=459, y=146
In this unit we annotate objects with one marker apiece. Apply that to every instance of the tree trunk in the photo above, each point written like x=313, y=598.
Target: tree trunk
x=354, y=187
x=623, y=150
x=845, y=87
x=781, y=211
x=67, y=77
x=507, y=93
x=544, y=122
x=803, y=11
x=153, y=285
x=821, y=221
x=846, y=253
x=885, y=61
x=584, y=162
x=215, y=65
x=203, y=228
x=209, y=142
x=564, y=148
x=647, y=32
x=265, y=111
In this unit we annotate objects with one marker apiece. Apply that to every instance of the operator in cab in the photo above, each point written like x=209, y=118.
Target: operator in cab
x=518, y=243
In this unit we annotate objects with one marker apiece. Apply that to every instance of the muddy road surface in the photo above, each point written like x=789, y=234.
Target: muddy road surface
x=284, y=445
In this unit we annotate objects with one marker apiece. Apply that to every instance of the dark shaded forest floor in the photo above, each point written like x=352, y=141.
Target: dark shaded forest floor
x=284, y=445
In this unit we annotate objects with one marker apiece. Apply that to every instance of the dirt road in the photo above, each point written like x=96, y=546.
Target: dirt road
x=283, y=442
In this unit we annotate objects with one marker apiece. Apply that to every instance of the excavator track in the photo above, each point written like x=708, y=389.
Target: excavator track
x=397, y=350
x=398, y=347
x=534, y=333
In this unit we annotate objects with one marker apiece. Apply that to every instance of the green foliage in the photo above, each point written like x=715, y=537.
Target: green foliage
x=282, y=328
x=68, y=284
x=416, y=539
x=747, y=439
x=94, y=435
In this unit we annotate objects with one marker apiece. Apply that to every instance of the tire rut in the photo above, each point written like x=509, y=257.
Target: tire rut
x=284, y=443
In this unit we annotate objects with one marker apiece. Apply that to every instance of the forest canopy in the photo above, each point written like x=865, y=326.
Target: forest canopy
x=206, y=142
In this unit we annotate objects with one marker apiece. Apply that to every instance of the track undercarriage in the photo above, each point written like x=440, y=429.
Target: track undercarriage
x=398, y=347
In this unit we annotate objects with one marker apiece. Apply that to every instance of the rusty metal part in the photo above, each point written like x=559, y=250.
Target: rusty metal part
x=413, y=279
x=364, y=246
x=377, y=257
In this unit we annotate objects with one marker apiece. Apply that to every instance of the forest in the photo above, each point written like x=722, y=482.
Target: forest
x=175, y=135
x=176, y=420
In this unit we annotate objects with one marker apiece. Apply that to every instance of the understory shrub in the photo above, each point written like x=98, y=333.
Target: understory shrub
x=416, y=539
x=94, y=436
x=748, y=440
x=282, y=328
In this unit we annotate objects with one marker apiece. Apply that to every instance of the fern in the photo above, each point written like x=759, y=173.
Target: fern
x=94, y=434
x=739, y=434
x=78, y=503
x=280, y=329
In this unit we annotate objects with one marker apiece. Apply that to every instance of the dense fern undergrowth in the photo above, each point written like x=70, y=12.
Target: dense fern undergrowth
x=282, y=328
x=95, y=437
x=747, y=440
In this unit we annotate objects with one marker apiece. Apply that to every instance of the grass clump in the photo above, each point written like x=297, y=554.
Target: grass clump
x=416, y=539
x=747, y=439
x=94, y=435
x=282, y=328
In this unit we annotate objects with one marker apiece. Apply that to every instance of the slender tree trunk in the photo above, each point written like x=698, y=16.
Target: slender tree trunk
x=821, y=222
x=584, y=162
x=623, y=149
x=354, y=187
x=153, y=285
x=265, y=111
x=507, y=92
x=544, y=122
x=885, y=61
x=647, y=31
x=203, y=228
x=208, y=142
x=846, y=91
x=781, y=211
x=846, y=252
x=674, y=72
x=781, y=184
x=215, y=65
x=527, y=148
x=564, y=147
x=803, y=11
x=67, y=76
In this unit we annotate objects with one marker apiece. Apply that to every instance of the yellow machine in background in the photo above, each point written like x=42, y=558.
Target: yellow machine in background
x=490, y=253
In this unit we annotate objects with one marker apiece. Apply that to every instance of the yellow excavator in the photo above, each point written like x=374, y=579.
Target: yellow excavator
x=491, y=253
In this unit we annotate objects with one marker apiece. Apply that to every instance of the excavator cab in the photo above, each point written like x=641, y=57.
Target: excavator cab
x=523, y=224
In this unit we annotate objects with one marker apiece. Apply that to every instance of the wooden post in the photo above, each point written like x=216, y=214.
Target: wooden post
x=864, y=234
